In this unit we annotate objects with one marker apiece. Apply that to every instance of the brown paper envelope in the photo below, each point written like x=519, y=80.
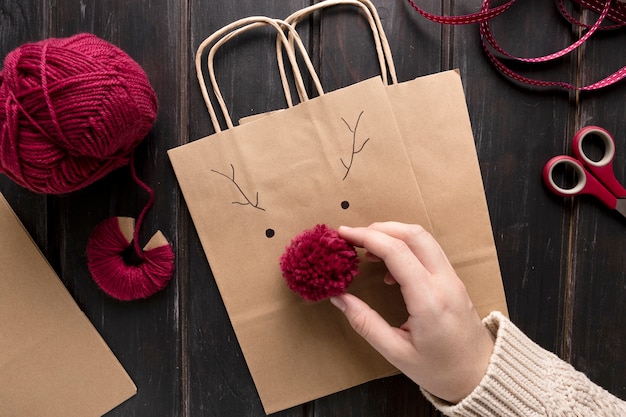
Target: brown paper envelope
x=434, y=122
x=299, y=351
x=52, y=360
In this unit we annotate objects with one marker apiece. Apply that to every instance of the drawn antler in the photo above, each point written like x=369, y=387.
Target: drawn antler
x=354, y=150
x=232, y=179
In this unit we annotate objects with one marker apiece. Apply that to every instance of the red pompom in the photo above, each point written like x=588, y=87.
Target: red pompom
x=319, y=263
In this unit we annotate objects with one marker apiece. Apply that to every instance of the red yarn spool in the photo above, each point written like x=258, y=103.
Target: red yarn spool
x=319, y=264
x=119, y=266
x=71, y=111
x=112, y=271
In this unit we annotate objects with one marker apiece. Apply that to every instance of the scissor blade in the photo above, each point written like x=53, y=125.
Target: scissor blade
x=621, y=206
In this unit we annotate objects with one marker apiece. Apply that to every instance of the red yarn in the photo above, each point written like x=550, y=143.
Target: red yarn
x=109, y=250
x=71, y=111
x=106, y=252
x=319, y=263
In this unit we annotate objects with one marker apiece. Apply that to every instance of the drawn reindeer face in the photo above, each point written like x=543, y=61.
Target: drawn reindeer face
x=335, y=159
x=357, y=145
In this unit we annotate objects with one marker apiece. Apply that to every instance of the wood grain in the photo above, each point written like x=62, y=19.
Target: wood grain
x=562, y=259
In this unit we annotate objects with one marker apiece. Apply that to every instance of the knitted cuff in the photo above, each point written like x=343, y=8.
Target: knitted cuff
x=523, y=379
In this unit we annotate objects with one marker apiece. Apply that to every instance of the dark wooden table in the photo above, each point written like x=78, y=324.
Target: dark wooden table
x=562, y=260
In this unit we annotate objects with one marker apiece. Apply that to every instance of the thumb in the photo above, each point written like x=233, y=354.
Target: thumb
x=389, y=341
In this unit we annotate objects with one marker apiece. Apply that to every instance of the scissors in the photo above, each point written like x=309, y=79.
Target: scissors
x=592, y=177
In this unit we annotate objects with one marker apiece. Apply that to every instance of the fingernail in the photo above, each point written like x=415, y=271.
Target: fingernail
x=345, y=228
x=339, y=303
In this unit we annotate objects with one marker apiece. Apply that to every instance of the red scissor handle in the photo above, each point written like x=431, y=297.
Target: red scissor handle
x=585, y=182
x=602, y=169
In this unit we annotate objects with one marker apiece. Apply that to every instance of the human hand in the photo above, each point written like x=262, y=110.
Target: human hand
x=443, y=346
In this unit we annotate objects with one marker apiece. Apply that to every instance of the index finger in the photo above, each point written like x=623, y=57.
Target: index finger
x=401, y=262
x=421, y=243
x=417, y=239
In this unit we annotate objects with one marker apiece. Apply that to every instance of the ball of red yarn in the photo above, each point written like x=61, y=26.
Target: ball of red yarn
x=319, y=264
x=121, y=270
x=71, y=111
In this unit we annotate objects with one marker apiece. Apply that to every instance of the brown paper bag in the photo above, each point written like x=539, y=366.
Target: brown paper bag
x=434, y=123
x=441, y=147
x=253, y=187
x=53, y=363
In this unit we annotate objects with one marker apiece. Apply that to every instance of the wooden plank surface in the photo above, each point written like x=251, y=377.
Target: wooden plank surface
x=515, y=135
x=145, y=334
x=596, y=314
x=562, y=259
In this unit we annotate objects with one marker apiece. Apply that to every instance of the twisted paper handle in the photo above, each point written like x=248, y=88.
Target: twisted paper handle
x=223, y=35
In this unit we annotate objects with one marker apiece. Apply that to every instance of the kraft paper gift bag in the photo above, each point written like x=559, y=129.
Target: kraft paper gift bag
x=336, y=159
x=434, y=123
x=53, y=363
x=446, y=167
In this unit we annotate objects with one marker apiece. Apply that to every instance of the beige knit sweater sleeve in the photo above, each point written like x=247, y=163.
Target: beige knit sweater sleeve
x=527, y=381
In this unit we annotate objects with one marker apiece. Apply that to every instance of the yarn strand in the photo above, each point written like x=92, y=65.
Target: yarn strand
x=143, y=211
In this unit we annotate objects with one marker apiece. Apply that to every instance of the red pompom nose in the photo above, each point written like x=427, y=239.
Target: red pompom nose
x=319, y=264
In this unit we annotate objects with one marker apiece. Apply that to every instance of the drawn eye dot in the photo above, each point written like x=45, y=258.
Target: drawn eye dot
x=270, y=233
x=345, y=205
